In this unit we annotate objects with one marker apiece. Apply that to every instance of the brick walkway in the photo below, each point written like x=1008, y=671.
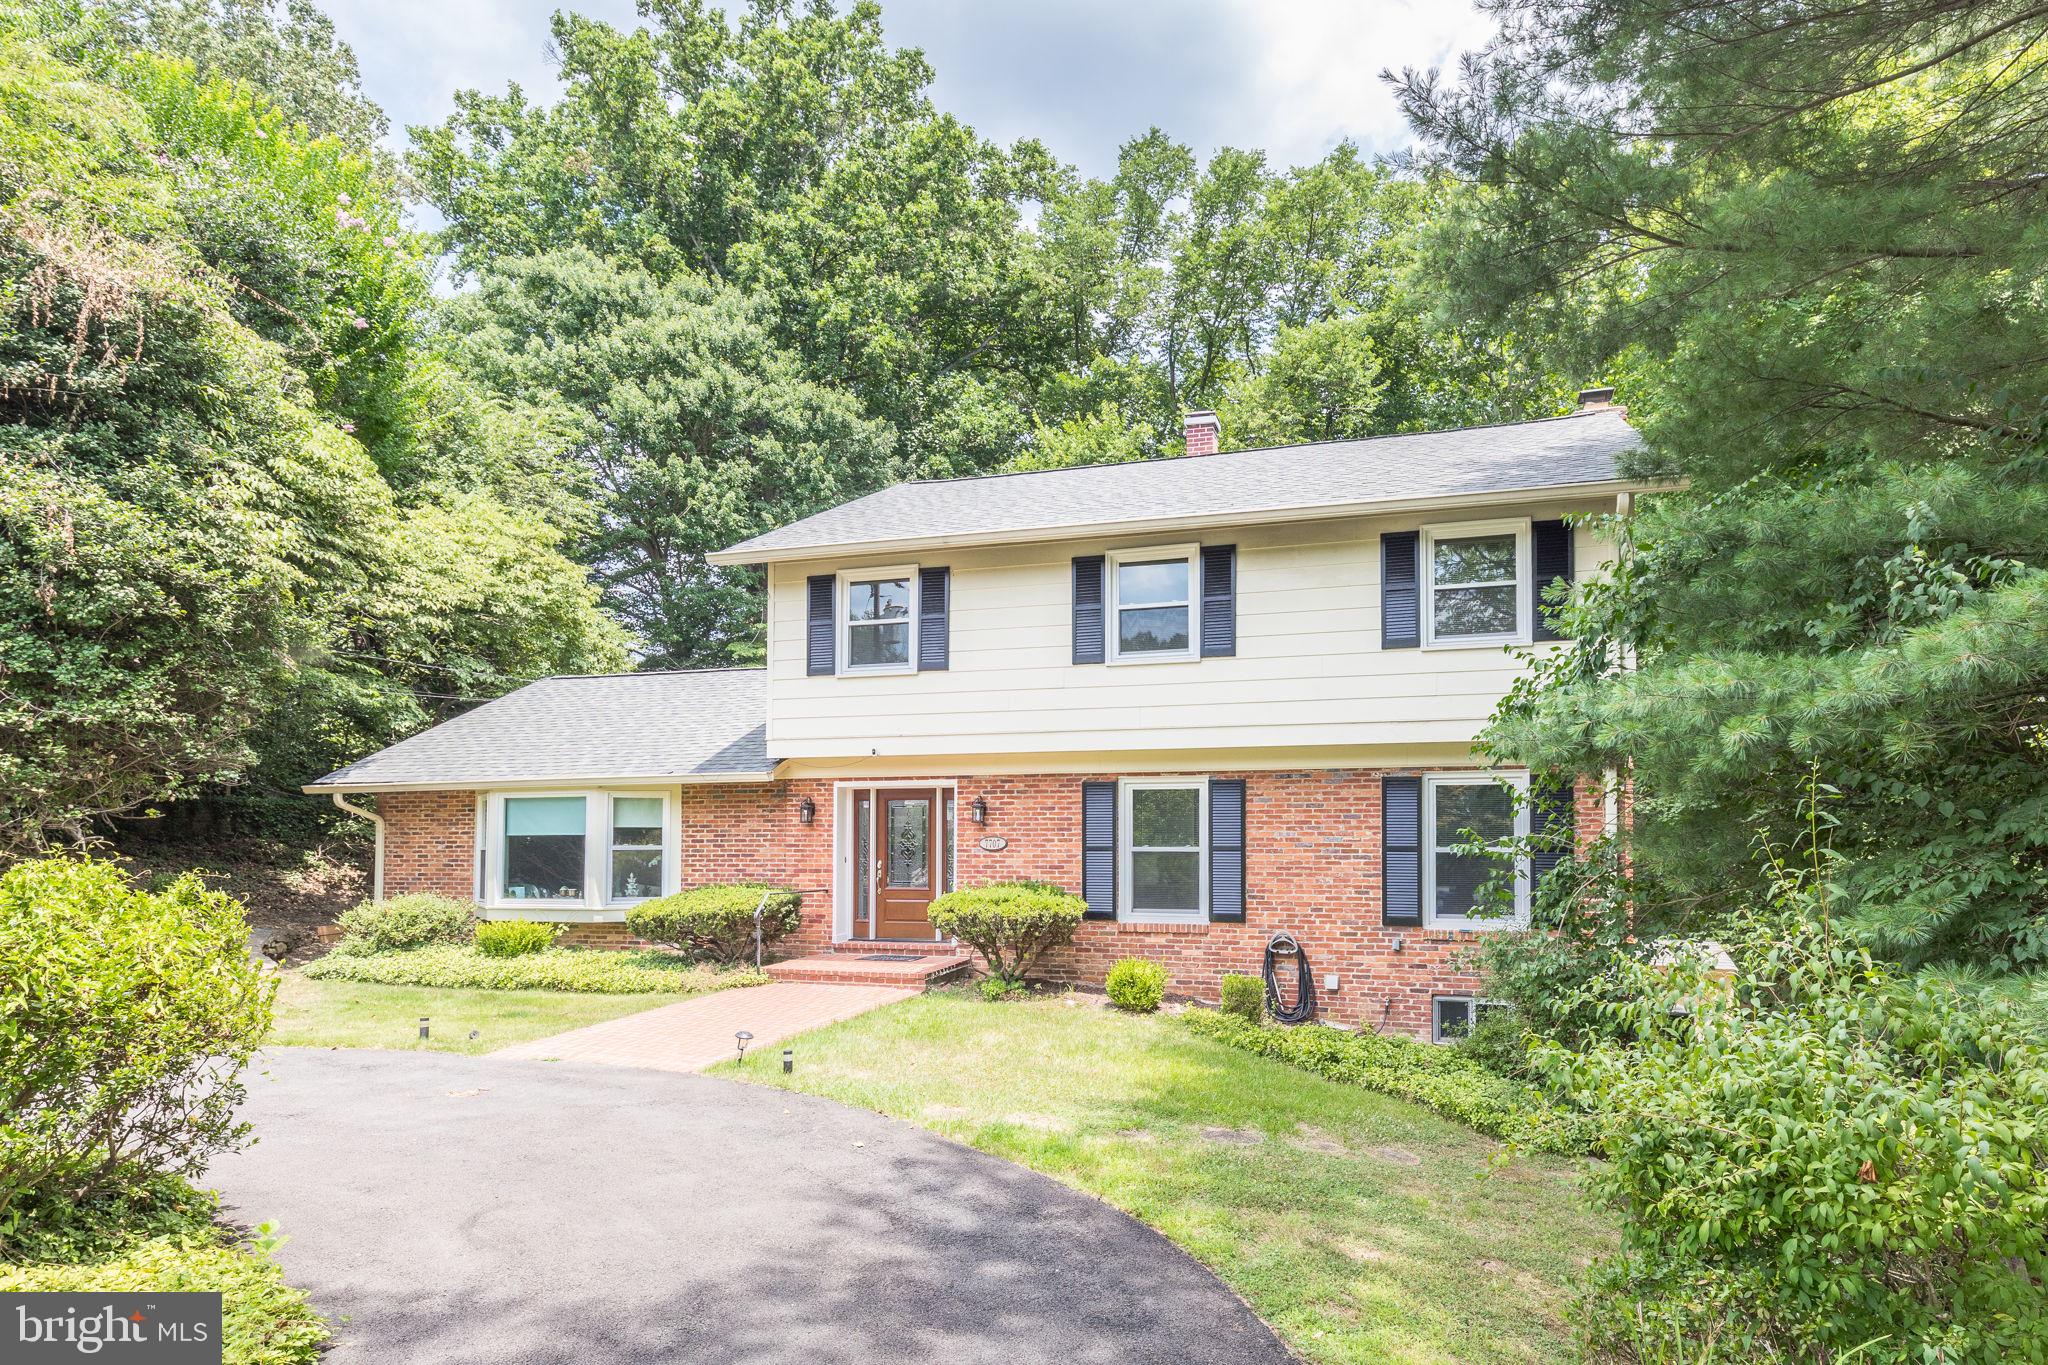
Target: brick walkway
x=693, y=1034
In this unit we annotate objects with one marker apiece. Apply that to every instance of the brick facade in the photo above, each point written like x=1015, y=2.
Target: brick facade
x=1312, y=861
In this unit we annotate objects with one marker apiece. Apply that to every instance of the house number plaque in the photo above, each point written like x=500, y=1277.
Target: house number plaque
x=994, y=843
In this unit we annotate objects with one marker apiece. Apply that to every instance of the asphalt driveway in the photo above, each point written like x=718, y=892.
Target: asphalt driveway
x=477, y=1209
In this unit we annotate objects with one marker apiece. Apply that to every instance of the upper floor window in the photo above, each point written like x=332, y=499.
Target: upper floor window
x=878, y=628
x=1475, y=579
x=1152, y=604
x=1460, y=811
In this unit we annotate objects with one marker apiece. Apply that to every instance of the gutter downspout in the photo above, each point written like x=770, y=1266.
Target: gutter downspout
x=377, y=822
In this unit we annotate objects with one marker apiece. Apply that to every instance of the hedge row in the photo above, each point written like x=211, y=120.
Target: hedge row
x=597, y=971
x=1438, y=1078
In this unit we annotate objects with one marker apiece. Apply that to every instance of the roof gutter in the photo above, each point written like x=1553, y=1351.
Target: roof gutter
x=1133, y=526
x=377, y=822
x=466, y=784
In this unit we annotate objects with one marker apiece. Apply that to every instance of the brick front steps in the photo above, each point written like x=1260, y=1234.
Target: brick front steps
x=847, y=969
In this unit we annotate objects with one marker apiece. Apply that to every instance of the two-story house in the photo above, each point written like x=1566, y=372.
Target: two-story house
x=1221, y=697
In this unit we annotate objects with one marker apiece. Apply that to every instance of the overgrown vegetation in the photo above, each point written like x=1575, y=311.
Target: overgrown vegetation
x=718, y=922
x=602, y=971
x=1013, y=925
x=1444, y=1079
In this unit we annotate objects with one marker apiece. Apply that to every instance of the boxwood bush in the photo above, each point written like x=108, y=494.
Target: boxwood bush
x=596, y=970
x=126, y=1017
x=1136, y=985
x=717, y=922
x=514, y=937
x=1438, y=1078
x=402, y=923
x=1013, y=925
x=1244, y=996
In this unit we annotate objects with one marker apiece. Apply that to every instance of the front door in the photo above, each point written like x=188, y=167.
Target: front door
x=907, y=866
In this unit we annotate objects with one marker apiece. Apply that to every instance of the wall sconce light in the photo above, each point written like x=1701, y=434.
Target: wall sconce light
x=979, y=810
x=806, y=810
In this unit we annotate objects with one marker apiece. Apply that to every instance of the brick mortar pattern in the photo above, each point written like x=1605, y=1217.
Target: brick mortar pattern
x=1312, y=868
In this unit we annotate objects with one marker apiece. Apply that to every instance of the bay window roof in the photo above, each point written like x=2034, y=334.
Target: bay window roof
x=707, y=725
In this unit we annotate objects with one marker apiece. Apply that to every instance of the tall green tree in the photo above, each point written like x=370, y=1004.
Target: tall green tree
x=1809, y=241
x=790, y=153
x=698, y=428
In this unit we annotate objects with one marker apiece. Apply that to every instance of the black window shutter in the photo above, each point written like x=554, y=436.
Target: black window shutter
x=934, y=600
x=1219, y=601
x=1400, y=589
x=1550, y=826
x=1401, y=850
x=824, y=587
x=1550, y=559
x=1088, y=570
x=1098, y=848
x=1226, y=849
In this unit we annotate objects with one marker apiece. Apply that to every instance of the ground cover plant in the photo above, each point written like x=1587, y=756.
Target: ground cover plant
x=599, y=971
x=1364, y=1229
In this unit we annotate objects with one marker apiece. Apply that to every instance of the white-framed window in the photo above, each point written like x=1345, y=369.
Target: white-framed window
x=1163, y=830
x=638, y=836
x=577, y=850
x=1153, y=595
x=1490, y=807
x=1475, y=578
x=1452, y=1017
x=878, y=620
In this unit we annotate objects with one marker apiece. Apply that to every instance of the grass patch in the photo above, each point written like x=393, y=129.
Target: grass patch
x=314, y=1013
x=1363, y=1228
x=170, y=1244
x=597, y=971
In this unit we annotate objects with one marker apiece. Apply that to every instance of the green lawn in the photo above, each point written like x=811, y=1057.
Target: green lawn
x=349, y=1014
x=1362, y=1228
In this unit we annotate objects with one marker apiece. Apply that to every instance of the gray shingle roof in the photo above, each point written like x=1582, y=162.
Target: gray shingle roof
x=686, y=726
x=1555, y=452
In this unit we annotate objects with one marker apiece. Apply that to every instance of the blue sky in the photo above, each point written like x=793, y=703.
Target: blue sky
x=1289, y=76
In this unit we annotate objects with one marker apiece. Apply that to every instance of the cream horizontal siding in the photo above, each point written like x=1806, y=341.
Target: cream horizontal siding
x=1308, y=673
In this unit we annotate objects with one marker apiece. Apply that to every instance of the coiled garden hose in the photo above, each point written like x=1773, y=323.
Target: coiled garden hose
x=1304, y=1007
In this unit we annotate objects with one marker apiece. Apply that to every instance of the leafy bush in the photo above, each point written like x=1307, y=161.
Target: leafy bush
x=1438, y=1078
x=597, y=971
x=515, y=937
x=1244, y=997
x=1499, y=1042
x=165, y=1241
x=1136, y=985
x=996, y=989
x=402, y=923
x=717, y=922
x=1820, y=1159
x=125, y=1020
x=1013, y=925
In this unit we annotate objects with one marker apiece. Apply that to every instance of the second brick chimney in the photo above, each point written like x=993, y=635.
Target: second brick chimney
x=1204, y=433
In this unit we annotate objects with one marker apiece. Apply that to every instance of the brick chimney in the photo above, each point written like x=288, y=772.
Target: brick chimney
x=1597, y=400
x=1205, y=432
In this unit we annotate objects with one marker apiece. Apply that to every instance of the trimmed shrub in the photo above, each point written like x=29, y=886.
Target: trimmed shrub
x=594, y=970
x=515, y=937
x=1136, y=985
x=1244, y=997
x=402, y=923
x=126, y=1017
x=1011, y=924
x=717, y=922
x=1437, y=1078
x=1824, y=1162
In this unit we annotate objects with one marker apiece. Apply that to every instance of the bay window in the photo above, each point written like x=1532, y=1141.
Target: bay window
x=582, y=850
